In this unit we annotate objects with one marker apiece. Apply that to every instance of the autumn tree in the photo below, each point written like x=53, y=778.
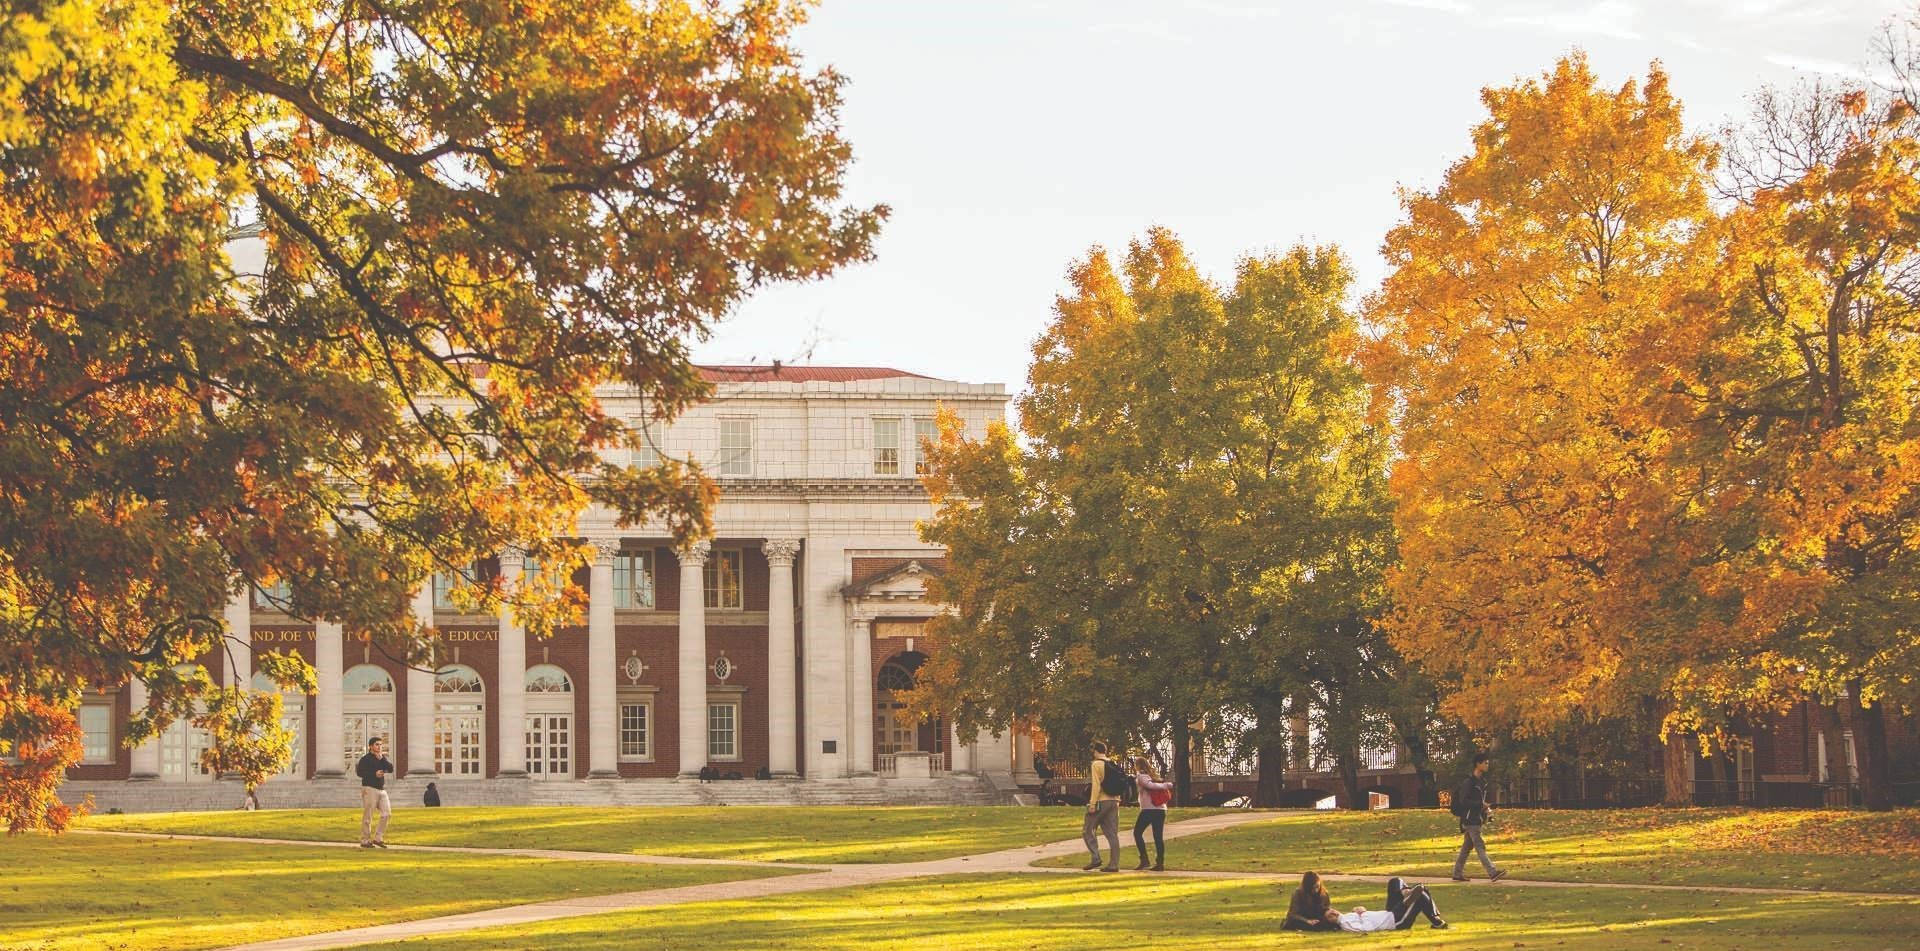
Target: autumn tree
x=1196, y=529
x=473, y=215
x=1533, y=497
x=1801, y=419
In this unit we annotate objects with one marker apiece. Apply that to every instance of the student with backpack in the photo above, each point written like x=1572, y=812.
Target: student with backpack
x=1154, y=796
x=1106, y=783
x=1470, y=807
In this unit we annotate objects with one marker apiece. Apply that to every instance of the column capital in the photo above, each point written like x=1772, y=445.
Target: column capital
x=604, y=548
x=780, y=551
x=862, y=625
x=695, y=553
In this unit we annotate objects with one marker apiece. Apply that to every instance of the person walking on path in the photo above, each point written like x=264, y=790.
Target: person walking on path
x=373, y=770
x=1105, y=783
x=1470, y=804
x=1154, y=796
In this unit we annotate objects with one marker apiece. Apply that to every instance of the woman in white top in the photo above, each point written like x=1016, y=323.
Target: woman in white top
x=1154, y=796
x=1404, y=907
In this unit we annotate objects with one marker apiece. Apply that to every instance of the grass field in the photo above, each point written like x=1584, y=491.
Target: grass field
x=1854, y=851
x=1017, y=913
x=106, y=892
x=829, y=834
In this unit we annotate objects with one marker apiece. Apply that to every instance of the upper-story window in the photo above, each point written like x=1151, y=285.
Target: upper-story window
x=886, y=445
x=736, y=446
x=443, y=585
x=633, y=580
x=723, y=579
x=272, y=597
x=924, y=431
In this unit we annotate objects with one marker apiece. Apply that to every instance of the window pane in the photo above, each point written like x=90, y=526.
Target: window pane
x=923, y=428
x=443, y=582
x=96, y=724
x=633, y=580
x=723, y=578
x=633, y=730
x=720, y=723
x=736, y=445
x=886, y=447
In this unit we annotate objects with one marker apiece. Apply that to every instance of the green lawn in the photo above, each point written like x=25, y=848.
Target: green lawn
x=1779, y=849
x=827, y=834
x=88, y=891
x=1017, y=913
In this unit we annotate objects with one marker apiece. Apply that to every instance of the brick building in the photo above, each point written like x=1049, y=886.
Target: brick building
x=778, y=645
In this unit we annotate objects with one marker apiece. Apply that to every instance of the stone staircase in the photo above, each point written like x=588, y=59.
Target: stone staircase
x=952, y=790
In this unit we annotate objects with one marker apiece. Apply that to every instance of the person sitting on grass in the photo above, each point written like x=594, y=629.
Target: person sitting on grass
x=1404, y=907
x=1311, y=909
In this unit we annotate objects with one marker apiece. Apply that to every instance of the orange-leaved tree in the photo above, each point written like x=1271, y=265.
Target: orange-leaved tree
x=473, y=215
x=1529, y=481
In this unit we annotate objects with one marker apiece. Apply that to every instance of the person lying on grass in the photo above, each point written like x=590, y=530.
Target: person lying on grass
x=1404, y=907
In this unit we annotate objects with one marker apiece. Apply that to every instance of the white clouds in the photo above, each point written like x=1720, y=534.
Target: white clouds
x=1459, y=7
x=1147, y=29
x=1807, y=64
x=1609, y=18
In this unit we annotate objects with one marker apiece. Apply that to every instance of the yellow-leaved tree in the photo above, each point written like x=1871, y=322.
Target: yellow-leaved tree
x=1530, y=481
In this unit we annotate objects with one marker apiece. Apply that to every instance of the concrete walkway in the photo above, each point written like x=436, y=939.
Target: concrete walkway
x=818, y=877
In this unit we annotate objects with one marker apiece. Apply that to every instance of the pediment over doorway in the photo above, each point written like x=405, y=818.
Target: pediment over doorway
x=905, y=581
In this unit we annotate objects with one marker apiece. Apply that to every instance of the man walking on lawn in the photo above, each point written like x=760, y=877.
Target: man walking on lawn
x=1470, y=804
x=373, y=770
x=1103, y=811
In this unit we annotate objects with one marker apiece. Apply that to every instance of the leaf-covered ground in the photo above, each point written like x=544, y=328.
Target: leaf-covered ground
x=1775, y=849
x=78, y=891
x=829, y=834
x=1018, y=913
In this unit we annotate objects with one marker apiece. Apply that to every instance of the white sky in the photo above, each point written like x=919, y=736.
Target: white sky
x=1010, y=137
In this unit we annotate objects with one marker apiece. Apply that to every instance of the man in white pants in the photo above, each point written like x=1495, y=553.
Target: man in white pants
x=373, y=770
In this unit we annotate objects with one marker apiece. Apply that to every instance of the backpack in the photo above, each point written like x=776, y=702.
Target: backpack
x=1113, y=781
x=1460, y=807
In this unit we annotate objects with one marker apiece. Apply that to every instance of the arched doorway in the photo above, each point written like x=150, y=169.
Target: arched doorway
x=459, y=723
x=367, y=710
x=293, y=718
x=891, y=734
x=549, y=723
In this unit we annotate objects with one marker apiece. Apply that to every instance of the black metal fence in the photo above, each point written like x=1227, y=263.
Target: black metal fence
x=1588, y=793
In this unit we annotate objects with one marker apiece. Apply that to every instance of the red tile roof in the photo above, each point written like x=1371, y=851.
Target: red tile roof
x=778, y=373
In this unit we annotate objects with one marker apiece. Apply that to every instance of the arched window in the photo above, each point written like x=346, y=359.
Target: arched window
x=293, y=717
x=549, y=726
x=367, y=711
x=893, y=676
x=365, y=678
x=891, y=734
x=546, y=678
x=459, y=722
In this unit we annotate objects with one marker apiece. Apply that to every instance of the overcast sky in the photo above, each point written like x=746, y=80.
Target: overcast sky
x=1011, y=137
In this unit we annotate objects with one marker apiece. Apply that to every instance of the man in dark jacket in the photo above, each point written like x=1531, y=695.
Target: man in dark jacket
x=373, y=770
x=1473, y=813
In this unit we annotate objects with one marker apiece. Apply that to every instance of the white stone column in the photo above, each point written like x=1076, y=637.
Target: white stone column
x=419, y=711
x=782, y=713
x=1023, y=773
x=238, y=647
x=603, y=711
x=693, y=658
x=962, y=757
x=146, y=756
x=329, y=715
x=861, y=661
x=511, y=689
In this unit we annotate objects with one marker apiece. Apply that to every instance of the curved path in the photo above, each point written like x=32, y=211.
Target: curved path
x=816, y=878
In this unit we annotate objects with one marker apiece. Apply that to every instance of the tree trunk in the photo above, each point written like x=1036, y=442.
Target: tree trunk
x=1182, y=767
x=1270, y=756
x=1678, y=774
x=1350, y=776
x=1876, y=775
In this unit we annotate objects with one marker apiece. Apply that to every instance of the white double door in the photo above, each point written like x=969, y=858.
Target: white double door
x=358, y=728
x=550, y=746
